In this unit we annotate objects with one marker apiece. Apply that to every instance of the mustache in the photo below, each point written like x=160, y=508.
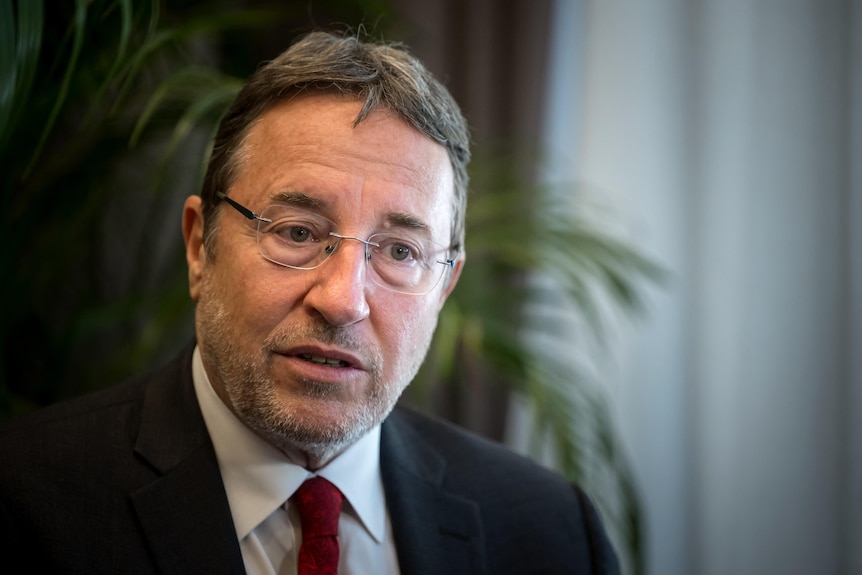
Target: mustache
x=321, y=332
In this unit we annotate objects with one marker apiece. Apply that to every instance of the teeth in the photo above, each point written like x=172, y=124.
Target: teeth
x=319, y=359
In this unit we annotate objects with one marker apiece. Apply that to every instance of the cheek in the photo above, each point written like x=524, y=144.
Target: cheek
x=407, y=334
x=257, y=300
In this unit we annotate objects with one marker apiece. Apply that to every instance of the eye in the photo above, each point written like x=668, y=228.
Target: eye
x=400, y=252
x=297, y=234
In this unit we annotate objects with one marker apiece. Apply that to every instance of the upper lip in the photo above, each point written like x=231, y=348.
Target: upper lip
x=337, y=354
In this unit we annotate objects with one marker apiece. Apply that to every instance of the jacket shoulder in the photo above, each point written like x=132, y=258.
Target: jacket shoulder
x=468, y=455
x=531, y=515
x=72, y=412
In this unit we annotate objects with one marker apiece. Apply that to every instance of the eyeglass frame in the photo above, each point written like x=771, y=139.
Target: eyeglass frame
x=251, y=215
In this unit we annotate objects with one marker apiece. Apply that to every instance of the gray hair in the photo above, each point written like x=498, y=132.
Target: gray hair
x=383, y=76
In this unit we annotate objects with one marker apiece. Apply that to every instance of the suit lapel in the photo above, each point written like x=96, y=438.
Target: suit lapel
x=184, y=513
x=435, y=530
x=186, y=518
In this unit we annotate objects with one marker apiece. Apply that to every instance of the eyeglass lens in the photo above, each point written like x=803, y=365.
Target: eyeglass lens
x=400, y=261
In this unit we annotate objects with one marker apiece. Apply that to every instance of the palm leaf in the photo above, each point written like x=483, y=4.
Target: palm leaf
x=549, y=268
x=203, y=92
x=18, y=60
x=8, y=65
x=78, y=33
x=126, y=29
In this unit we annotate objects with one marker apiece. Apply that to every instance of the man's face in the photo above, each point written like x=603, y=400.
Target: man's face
x=312, y=359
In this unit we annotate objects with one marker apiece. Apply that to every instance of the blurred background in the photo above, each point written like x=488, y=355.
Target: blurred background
x=663, y=296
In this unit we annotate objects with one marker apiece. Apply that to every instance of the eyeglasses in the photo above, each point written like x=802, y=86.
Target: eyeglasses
x=303, y=240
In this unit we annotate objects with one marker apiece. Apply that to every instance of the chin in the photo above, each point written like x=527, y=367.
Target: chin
x=316, y=428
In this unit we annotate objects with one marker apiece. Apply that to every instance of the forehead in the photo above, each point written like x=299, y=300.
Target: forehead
x=311, y=145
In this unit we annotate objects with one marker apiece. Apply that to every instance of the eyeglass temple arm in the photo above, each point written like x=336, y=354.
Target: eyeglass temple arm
x=239, y=207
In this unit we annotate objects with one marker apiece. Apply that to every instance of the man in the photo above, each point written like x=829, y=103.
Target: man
x=326, y=239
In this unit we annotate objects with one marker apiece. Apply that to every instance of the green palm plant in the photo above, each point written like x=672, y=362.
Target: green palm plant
x=102, y=81
x=537, y=265
x=89, y=169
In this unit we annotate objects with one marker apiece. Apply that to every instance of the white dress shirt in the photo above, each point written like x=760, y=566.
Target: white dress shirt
x=259, y=480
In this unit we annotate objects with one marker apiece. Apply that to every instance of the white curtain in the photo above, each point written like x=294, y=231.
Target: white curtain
x=727, y=135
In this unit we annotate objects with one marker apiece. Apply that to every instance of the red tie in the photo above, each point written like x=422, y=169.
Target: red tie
x=319, y=504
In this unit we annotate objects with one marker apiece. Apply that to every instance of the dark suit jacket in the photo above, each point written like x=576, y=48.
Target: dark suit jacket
x=126, y=481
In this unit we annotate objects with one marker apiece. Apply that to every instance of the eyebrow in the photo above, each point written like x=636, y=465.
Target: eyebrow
x=300, y=200
x=405, y=220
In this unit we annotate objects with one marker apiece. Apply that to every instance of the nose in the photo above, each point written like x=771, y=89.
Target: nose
x=338, y=290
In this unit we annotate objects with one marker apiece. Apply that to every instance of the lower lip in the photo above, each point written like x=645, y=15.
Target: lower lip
x=319, y=372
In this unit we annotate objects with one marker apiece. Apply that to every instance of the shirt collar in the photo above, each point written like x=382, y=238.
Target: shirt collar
x=258, y=478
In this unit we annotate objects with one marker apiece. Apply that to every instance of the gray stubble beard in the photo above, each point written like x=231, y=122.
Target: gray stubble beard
x=253, y=395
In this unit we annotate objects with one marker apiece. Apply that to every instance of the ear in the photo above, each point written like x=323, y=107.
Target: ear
x=193, y=235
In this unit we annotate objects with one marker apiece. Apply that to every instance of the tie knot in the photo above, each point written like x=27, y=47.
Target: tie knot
x=319, y=504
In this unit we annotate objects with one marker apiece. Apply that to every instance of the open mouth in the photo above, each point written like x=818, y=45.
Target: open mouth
x=320, y=360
